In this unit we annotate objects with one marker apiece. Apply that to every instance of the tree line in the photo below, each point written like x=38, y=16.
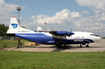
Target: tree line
x=3, y=29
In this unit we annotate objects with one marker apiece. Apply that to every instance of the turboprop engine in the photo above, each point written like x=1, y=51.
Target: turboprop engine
x=61, y=33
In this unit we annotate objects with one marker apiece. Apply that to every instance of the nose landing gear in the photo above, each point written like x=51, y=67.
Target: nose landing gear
x=87, y=45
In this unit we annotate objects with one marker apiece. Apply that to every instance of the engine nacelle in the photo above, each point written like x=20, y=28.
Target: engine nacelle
x=61, y=33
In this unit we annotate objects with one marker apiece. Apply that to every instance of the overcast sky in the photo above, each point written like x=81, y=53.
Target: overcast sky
x=86, y=15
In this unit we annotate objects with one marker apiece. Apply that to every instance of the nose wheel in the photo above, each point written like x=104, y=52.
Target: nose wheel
x=87, y=45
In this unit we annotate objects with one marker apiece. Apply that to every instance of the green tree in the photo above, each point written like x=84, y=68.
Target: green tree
x=3, y=29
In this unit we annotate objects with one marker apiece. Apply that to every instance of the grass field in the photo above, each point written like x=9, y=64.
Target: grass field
x=51, y=60
x=10, y=43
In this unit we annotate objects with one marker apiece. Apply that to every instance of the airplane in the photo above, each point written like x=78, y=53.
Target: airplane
x=52, y=37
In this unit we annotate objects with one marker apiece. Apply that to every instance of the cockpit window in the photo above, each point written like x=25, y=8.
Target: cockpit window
x=94, y=35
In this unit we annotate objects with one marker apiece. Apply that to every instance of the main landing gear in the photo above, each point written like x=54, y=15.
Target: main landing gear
x=87, y=45
x=61, y=45
x=80, y=45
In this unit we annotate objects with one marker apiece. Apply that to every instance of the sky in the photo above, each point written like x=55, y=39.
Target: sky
x=67, y=15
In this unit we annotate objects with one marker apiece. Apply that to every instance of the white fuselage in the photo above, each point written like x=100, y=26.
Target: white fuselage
x=78, y=35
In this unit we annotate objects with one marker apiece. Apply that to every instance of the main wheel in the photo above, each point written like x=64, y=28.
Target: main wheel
x=80, y=45
x=87, y=45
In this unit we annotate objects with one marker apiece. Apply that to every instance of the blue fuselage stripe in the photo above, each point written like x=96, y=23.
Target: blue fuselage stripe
x=44, y=39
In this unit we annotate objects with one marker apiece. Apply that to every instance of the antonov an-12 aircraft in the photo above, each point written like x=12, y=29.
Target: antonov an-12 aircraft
x=52, y=37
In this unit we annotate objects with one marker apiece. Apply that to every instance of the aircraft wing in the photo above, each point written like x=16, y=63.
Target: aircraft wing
x=61, y=33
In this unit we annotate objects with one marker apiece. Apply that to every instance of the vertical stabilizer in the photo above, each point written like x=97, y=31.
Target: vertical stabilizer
x=39, y=29
x=15, y=28
x=13, y=23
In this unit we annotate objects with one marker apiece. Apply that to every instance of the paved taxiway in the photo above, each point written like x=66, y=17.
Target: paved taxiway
x=94, y=47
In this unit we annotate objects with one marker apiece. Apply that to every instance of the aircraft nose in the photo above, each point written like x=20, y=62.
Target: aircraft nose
x=98, y=39
x=101, y=38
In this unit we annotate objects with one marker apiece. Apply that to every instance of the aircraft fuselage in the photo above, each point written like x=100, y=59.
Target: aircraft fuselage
x=47, y=38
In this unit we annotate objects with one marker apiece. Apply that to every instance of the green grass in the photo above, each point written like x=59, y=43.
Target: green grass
x=51, y=60
x=10, y=43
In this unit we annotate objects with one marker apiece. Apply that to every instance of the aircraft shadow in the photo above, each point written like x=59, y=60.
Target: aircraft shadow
x=73, y=48
x=69, y=47
x=65, y=48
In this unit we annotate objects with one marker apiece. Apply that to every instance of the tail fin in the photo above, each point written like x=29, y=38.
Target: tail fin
x=13, y=23
x=14, y=27
x=39, y=29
